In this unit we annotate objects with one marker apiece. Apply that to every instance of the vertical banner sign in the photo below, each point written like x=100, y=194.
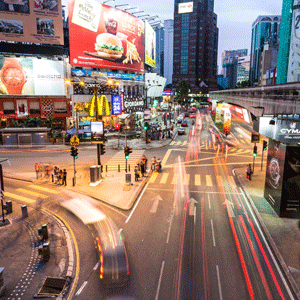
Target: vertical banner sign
x=122, y=103
x=227, y=122
x=213, y=107
x=116, y=105
x=218, y=115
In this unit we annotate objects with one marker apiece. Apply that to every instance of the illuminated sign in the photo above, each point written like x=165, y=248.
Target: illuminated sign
x=100, y=103
x=116, y=105
x=150, y=45
x=186, y=7
x=97, y=131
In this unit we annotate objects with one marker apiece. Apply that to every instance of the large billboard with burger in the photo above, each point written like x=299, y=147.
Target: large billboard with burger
x=105, y=37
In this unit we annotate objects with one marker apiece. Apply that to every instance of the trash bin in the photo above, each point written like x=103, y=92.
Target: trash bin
x=94, y=174
x=128, y=178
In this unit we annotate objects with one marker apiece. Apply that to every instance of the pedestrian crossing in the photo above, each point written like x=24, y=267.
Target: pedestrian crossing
x=30, y=194
x=119, y=160
x=207, y=180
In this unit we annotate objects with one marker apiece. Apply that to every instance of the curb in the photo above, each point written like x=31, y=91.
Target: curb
x=278, y=256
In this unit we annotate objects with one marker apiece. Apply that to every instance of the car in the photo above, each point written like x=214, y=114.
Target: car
x=184, y=123
x=181, y=131
x=192, y=115
x=179, y=120
x=182, y=115
x=186, y=114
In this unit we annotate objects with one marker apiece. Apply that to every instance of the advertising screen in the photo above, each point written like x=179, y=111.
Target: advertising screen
x=150, y=45
x=105, y=37
x=97, y=131
x=186, y=7
x=27, y=76
x=38, y=21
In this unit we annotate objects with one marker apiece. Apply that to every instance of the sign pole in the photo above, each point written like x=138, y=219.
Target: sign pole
x=254, y=158
x=1, y=192
x=262, y=159
x=97, y=117
x=125, y=147
x=74, y=178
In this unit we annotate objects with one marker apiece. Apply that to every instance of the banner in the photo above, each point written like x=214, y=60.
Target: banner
x=150, y=45
x=105, y=37
x=227, y=122
x=38, y=21
x=116, y=105
x=31, y=77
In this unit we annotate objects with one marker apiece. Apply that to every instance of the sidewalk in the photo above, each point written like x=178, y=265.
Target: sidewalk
x=282, y=233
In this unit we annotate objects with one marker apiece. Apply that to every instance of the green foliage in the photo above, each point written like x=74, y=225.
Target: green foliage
x=243, y=84
x=182, y=91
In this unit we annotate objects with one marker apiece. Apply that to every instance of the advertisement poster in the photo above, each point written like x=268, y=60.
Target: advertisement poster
x=22, y=108
x=133, y=104
x=150, y=45
x=274, y=174
x=97, y=131
x=38, y=21
x=27, y=76
x=105, y=37
x=227, y=122
x=186, y=7
x=218, y=115
x=291, y=183
x=213, y=106
x=116, y=105
x=294, y=67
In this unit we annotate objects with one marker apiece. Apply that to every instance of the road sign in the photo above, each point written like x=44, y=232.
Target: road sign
x=255, y=137
x=74, y=140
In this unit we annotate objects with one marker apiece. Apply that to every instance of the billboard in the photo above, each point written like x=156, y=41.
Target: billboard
x=186, y=7
x=97, y=131
x=27, y=76
x=38, y=21
x=105, y=37
x=150, y=45
x=294, y=67
x=116, y=105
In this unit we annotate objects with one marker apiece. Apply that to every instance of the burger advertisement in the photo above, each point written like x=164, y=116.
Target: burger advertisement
x=105, y=37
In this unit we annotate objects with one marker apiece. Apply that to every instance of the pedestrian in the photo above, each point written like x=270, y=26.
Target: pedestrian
x=37, y=170
x=136, y=173
x=65, y=177
x=55, y=174
x=145, y=159
x=153, y=162
x=249, y=172
x=60, y=177
x=143, y=168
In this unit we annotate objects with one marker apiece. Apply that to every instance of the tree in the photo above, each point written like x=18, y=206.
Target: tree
x=182, y=91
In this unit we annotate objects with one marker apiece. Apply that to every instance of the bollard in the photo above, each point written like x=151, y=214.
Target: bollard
x=24, y=211
x=44, y=251
x=118, y=168
x=43, y=231
x=8, y=207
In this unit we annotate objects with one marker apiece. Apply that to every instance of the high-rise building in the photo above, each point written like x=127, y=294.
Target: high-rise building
x=243, y=69
x=230, y=60
x=265, y=30
x=159, y=57
x=195, y=43
x=168, y=50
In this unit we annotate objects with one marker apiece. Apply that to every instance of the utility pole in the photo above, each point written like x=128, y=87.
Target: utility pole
x=95, y=90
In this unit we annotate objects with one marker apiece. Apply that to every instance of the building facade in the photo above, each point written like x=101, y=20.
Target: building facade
x=265, y=30
x=195, y=44
x=168, y=50
x=159, y=58
x=243, y=69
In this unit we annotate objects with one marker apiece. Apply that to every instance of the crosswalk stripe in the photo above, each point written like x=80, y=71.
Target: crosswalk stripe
x=32, y=193
x=197, y=179
x=44, y=189
x=240, y=150
x=208, y=180
x=184, y=143
x=243, y=142
x=164, y=178
x=187, y=179
x=153, y=177
x=178, y=143
x=18, y=197
x=172, y=143
x=175, y=177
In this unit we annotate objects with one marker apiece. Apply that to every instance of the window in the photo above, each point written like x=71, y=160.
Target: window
x=60, y=107
x=8, y=108
x=34, y=107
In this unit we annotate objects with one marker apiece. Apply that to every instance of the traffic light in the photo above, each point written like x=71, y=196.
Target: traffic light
x=265, y=145
x=74, y=152
x=146, y=126
x=102, y=149
x=254, y=151
x=127, y=151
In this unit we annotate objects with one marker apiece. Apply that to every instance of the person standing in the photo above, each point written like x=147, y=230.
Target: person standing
x=60, y=177
x=249, y=172
x=136, y=173
x=142, y=168
x=64, y=177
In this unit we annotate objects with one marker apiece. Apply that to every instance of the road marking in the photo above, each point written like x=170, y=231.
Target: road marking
x=159, y=281
x=153, y=177
x=178, y=143
x=219, y=282
x=213, y=233
x=81, y=288
x=96, y=266
x=208, y=201
x=18, y=197
x=32, y=193
x=172, y=143
x=137, y=202
x=44, y=189
x=184, y=143
x=208, y=180
x=155, y=204
x=169, y=230
x=240, y=151
x=164, y=178
x=197, y=179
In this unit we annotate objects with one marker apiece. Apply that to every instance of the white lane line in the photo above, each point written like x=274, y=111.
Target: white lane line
x=219, y=282
x=268, y=247
x=159, y=281
x=137, y=202
x=96, y=266
x=120, y=231
x=208, y=201
x=213, y=233
x=81, y=288
x=169, y=230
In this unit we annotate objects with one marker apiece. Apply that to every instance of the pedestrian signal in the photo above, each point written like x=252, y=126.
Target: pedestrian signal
x=265, y=145
x=254, y=151
x=102, y=149
x=74, y=152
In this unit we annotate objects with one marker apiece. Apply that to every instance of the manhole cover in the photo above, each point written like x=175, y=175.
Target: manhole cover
x=52, y=286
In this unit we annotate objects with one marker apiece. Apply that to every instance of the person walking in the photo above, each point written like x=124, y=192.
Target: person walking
x=153, y=162
x=60, y=177
x=249, y=172
x=143, y=168
x=64, y=177
x=136, y=173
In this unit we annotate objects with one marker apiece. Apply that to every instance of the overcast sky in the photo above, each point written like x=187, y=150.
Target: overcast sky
x=235, y=17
